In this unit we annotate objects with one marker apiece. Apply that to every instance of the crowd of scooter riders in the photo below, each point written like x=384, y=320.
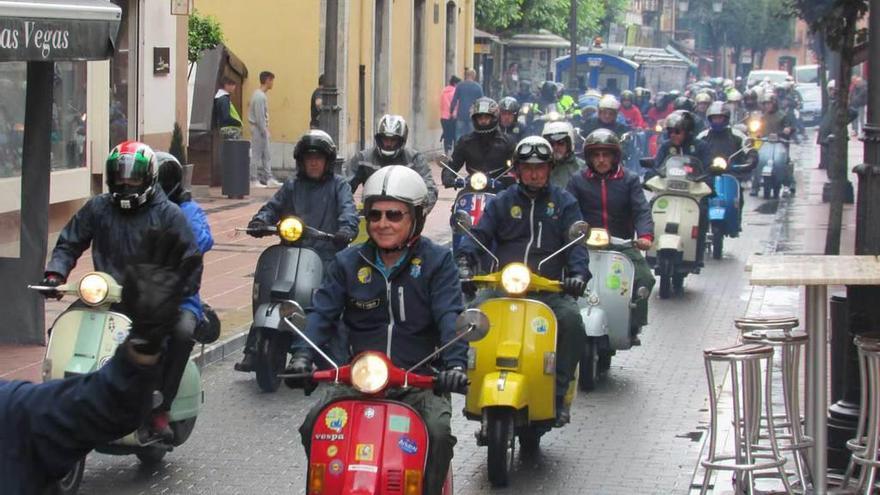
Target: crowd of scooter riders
x=549, y=181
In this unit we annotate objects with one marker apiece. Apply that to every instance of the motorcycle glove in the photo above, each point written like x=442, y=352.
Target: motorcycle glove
x=574, y=286
x=341, y=239
x=257, y=228
x=52, y=279
x=154, y=287
x=453, y=380
x=301, y=364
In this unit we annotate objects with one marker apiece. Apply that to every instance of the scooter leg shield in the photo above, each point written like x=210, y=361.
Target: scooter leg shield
x=189, y=394
x=503, y=388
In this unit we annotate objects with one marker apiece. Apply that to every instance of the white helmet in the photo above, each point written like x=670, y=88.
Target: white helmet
x=558, y=131
x=734, y=96
x=832, y=84
x=399, y=183
x=609, y=102
x=391, y=126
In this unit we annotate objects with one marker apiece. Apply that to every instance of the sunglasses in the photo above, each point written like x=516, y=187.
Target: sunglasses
x=393, y=216
x=542, y=151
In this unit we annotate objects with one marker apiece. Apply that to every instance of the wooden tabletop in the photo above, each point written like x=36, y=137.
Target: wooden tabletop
x=814, y=270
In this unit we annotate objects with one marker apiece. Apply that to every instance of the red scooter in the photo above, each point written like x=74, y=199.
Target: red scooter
x=370, y=444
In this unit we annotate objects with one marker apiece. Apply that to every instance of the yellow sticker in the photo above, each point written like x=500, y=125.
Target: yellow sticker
x=516, y=212
x=336, y=418
x=365, y=274
x=364, y=452
x=332, y=450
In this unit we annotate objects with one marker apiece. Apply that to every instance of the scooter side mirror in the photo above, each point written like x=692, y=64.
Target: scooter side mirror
x=462, y=221
x=472, y=325
x=646, y=162
x=578, y=230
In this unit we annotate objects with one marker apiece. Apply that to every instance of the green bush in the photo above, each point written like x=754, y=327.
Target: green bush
x=177, y=149
x=205, y=33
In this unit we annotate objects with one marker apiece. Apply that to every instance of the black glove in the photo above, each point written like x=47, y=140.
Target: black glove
x=154, y=286
x=448, y=178
x=574, y=286
x=301, y=364
x=257, y=228
x=341, y=239
x=453, y=380
x=52, y=279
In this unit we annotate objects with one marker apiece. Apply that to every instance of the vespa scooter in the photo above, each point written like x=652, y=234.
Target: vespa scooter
x=83, y=339
x=725, y=209
x=607, y=306
x=371, y=444
x=676, y=209
x=285, y=271
x=513, y=370
x=775, y=166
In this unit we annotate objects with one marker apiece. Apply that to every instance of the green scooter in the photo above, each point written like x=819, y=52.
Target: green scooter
x=83, y=339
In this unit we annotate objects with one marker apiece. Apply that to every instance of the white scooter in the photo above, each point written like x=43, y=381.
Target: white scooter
x=607, y=306
x=676, y=209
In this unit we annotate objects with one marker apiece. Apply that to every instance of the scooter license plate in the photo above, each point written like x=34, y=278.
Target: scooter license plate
x=767, y=172
x=716, y=213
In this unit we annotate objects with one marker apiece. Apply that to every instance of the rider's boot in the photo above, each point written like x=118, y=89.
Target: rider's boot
x=563, y=412
x=247, y=362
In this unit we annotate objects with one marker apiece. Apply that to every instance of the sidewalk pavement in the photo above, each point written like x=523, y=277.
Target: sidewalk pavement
x=801, y=223
x=227, y=280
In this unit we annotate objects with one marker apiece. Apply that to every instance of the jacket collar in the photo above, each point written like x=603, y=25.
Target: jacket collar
x=368, y=252
x=616, y=173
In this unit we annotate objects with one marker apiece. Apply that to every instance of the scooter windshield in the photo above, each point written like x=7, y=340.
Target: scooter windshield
x=681, y=167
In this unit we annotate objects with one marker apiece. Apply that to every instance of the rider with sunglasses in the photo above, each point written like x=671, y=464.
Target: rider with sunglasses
x=528, y=221
x=320, y=198
x=399, y=294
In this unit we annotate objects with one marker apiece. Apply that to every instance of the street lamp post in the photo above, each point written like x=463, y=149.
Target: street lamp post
x=329, y=118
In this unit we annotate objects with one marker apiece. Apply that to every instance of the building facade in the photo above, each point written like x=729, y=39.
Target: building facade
x=393, y=57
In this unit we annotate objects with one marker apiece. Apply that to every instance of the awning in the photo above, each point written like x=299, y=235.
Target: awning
x=57, y=30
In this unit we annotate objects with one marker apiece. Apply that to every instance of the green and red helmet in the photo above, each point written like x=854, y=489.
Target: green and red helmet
x=131, y=174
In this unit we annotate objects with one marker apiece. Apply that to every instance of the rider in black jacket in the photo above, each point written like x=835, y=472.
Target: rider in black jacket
x=486, y=149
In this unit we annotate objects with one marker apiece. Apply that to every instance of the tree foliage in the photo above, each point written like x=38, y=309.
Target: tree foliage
x=517, y=16
x=205, y=33
x=766, y=24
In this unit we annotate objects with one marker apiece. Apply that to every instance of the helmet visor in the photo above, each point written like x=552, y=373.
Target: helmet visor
x=129, y=173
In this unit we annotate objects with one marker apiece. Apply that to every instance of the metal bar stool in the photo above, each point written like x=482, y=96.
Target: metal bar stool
x=743, y=360
x=865, y=446
x=789, y=345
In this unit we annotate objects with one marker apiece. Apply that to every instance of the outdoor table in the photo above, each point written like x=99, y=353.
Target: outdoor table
x=815, y=273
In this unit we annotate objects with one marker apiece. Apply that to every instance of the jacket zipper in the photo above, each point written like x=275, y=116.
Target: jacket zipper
x=604, y=205
x=401, y=310
x=540, y=234
x=388, y=297
x=531, y=230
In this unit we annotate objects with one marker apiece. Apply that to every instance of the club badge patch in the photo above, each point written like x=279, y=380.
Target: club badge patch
x=415, y=269
x=365, y=275
x=516, y=212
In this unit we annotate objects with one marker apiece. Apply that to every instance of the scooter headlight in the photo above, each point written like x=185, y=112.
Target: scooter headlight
x=658, y=128
x=290, y=229
x=93, y=289
x=754, y=126
x=515, y=278
x=479, y=181
x=369, y=373
x=719, y=164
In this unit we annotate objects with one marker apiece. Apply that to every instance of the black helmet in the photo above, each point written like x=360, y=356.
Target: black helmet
x=131, y=174
x=315, y=141
x=661, y=100
x=681, y=120
x=485, y=106
x=170, y=176
x=601, y=139
x=684, y=103
x=391, y=126
x=717, y=109
x=509, y=104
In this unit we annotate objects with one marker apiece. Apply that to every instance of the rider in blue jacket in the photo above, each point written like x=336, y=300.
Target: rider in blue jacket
x=46, y=428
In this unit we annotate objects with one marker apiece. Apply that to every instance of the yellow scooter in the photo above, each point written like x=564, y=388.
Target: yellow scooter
x=512, y=371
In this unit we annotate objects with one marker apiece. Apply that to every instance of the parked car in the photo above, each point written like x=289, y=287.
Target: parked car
x=756, y=76
x=806, y=74
x=811, y=107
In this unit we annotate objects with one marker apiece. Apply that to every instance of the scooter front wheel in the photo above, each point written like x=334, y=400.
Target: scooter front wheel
x=717, y=242
x=589, y=368
x=499, y=423
x=69, y=484
x=150, y=456
x=271, y=357
x=665, y=286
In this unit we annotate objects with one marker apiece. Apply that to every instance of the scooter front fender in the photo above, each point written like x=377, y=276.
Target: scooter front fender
x=595, y=321
x=268, y=315
x=671, y=242
x=504, y=388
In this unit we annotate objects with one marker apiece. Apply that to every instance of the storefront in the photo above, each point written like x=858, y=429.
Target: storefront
x=44, y=81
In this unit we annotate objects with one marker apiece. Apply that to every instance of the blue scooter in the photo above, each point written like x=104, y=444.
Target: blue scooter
x=725, y=208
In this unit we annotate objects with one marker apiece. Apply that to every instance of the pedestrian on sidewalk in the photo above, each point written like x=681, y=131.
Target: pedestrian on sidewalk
x=226, y=117
x=447, y=117
x=258, y=118
x=315, y=104
x=466, y=93
x=826, y=126
x=858, y=101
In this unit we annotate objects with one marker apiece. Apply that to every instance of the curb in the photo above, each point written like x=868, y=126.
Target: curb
x=220, y=350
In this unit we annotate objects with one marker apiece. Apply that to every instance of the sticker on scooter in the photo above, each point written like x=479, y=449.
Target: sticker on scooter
x=335, y=468
x=336, y=418
x=369, y=413
x=399, y=424
x=540, y=325
x=364, y=452
x=662, y=203
x=332, y=450
x=363, y=468
x=408, y=445
x=612, y=282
